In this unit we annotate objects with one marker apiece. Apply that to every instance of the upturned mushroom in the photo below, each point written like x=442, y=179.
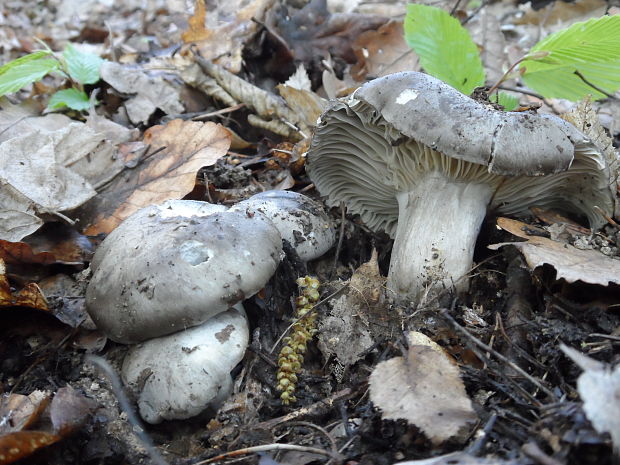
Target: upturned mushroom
x=168, y=277
x=425, y=163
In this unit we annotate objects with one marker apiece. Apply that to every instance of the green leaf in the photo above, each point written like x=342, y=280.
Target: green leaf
x=591, y=48
x=82, y=67
x=25, y=70
x=445, y=48
x=508, y=101
x=73, y=98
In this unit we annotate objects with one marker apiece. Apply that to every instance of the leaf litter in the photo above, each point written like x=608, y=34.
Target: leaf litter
x=385, y=383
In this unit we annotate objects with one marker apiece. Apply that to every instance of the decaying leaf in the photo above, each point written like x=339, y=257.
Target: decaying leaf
x=599, y=388
x=300, y=98
x=29, y=296
x=382, y=52
x=151, y=91
x=358, y=318
x=19, y=412
x=16, y=446
x=423, y=388
x=584, y=118
x=570, y=263
x=69, y=410
x=221, y=35
x=176, y=151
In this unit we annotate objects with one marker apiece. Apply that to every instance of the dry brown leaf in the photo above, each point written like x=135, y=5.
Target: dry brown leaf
x=179, y=149
x=15, y=446
x=570, y=263
x=150, y=91
x=69, y=410
x=561, y=13
x=221, y=34
x=382, y=52
x=357, y=318
x=20, y=412
x=599, y=388
x=423, y=388
x=29, y=296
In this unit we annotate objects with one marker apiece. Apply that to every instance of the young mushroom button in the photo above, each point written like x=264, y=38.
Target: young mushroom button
x=301, y=221
x=425, y=163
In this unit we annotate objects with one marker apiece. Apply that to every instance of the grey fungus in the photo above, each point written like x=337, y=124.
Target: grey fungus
x=416, y=158
x=175, y=265
x=301, y=221
x=167, y=278
x=178, y=375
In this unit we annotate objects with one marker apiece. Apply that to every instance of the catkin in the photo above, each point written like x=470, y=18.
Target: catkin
x=294, y=346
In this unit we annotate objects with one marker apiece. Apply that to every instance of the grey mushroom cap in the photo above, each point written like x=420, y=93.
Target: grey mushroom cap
x=180, y=375
x=301, y=221
x=423, y=162
x=172, y=266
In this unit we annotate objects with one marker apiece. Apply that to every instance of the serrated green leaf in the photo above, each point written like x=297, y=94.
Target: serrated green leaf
x=508, y=101
x=445, y=48
x=73, y=98
x=592, y=48
x=25, y=70
x=82, y=67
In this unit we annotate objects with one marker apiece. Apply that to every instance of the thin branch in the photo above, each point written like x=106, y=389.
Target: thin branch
x=594, y=86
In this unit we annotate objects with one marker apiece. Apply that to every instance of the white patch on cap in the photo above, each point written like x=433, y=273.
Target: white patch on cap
x=406, y=96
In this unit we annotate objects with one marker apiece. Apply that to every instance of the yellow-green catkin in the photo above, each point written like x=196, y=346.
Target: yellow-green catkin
x=294, y=346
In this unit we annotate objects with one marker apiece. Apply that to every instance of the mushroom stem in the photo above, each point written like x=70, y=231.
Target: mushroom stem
x=438, y=223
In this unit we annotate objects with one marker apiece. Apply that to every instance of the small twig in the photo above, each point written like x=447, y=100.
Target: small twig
x=340, y=240
x=521, y=91
x=484, y=437
x=608, y=218
x=318, y=408
x=223, y=111
x=326, y=299
x=594, y=86
x=125, y=405
x=321, y=430
x=497, y=355
x=269, y=447
x=532, y=450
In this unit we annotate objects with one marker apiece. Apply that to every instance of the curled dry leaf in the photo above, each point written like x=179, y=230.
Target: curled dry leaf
x=69, y=410
x=176, y=151
x=423, y=388
x=570, y=263
x=358, y=318
x=19, y=412
x=150, y=91
x=29, y=296
x=599, y=388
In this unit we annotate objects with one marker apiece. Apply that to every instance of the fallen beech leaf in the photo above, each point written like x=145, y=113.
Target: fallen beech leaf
x=179, y=149
x=53, y=243
x=29, y=296
x=599, y=388
x=423, y=388
x=221, y=35
x=16, y=253
x=150, y=91
x=70, y=410
x=15, y=446
x=382, y=52
x=570, y=263
x=19, y=412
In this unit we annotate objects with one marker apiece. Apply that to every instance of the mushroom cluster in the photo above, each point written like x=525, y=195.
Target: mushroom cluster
x=423, y=162
x=168, y=277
